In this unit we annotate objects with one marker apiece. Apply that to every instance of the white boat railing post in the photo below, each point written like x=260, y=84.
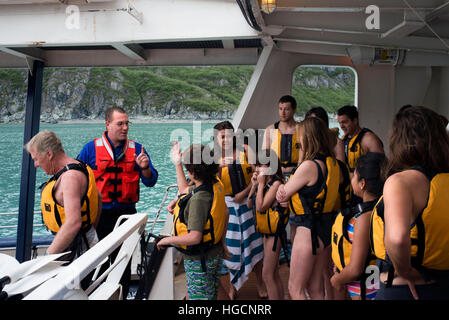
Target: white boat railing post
x=68, y=280
x=163, y=287
x=126, y=251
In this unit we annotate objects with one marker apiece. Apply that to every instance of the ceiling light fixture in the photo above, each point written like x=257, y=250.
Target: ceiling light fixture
x=267, y=6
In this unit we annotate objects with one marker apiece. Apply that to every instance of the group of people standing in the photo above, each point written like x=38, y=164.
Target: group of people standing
x=350, y=209
x=85, y=197
x=360, y=227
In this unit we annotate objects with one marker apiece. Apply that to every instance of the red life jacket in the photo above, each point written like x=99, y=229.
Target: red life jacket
x=116, y=181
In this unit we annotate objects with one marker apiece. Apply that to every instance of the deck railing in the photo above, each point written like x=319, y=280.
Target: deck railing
x=149, y=226
x=43, y=225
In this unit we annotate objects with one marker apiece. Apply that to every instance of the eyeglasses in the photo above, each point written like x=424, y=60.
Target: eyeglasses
x=121, y=123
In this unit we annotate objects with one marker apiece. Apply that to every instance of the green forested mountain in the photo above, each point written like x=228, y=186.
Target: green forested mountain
x=163, y=92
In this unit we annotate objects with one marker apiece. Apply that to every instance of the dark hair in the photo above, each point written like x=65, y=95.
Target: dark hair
x=201, y=171
x=224, y=125
x=418, y=139
x=109, y=111
x=406, y=106
x=370, y=167
x=286, y=99
x=270, y=154
x=319, y=112
x=444, y=121
x=350, y=111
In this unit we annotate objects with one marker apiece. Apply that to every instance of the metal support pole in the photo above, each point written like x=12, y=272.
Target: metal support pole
x=28, y=180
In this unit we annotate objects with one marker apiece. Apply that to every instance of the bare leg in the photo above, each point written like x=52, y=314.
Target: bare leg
x=316, y=284
x=270, y=271
x=226, y=290
x=261, y=290
x=292, y=232
x=327, y=274
x=301, y=265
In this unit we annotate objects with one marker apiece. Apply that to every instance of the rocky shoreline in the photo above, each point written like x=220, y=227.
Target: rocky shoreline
x=160, y=93
x=181, y=117
x=207, y=117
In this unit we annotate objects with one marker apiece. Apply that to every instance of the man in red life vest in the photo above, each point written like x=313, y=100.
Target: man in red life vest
x=118, y=164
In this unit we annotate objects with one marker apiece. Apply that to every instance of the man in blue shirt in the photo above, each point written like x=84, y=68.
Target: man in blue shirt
x=118, y=164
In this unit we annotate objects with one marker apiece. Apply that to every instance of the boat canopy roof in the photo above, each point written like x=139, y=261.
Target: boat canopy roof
x=77, y=33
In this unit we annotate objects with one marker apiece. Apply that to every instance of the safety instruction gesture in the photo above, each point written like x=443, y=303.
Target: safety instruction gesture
x=142, y=159
x=176, y=155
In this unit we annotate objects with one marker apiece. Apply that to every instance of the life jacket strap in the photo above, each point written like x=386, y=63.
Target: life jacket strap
x=390, y=276
x=114, y=169
x=237, y=178
x=115, y=194
x=115, y=181
x=203, y=259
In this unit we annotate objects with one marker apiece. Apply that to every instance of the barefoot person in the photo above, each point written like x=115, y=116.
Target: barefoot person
x=271, y=219
x=312, y=193
x=199, y=222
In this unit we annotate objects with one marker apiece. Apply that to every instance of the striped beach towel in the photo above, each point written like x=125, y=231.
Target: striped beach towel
x=243, y=242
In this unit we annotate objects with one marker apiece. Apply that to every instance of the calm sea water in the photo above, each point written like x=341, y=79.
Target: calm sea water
x=157, y=139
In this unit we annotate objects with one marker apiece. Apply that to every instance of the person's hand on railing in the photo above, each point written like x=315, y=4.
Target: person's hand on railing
x=171, y=206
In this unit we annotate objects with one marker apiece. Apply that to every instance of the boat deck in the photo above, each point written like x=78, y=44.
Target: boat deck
x=247, y=292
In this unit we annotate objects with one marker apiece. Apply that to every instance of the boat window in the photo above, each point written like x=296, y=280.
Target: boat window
x=159, y=100
x=330, y=87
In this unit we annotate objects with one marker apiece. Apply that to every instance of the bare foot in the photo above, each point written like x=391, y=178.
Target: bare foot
x=262, y=291
x=232, y=293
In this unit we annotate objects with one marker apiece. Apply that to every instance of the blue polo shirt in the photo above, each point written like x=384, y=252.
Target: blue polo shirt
x=88, y=156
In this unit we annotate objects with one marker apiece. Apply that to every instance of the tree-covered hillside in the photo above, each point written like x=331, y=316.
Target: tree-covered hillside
x=162, y=92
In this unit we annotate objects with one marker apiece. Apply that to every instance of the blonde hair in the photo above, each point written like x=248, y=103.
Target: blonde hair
x=44, y=141
x=316, y=138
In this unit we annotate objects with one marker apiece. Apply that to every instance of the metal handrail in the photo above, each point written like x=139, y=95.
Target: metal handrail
x=156, y=220
x=15, y=226
x=162, y=204
x=12, y=227
x=43, y=225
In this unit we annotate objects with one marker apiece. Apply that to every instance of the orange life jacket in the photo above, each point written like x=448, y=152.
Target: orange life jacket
x=116, y=179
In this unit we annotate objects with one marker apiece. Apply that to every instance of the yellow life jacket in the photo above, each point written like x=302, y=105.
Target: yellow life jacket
x=344, y=190
x=236, y=176
x=323, y=201
x=53, y=214
x=353, y=148
x=428, y=234
x=341, y=244
x=286, y=147
x=273, y=220
x=216, y=220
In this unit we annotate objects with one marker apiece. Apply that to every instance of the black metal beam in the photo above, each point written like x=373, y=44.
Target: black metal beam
x=28, y=180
